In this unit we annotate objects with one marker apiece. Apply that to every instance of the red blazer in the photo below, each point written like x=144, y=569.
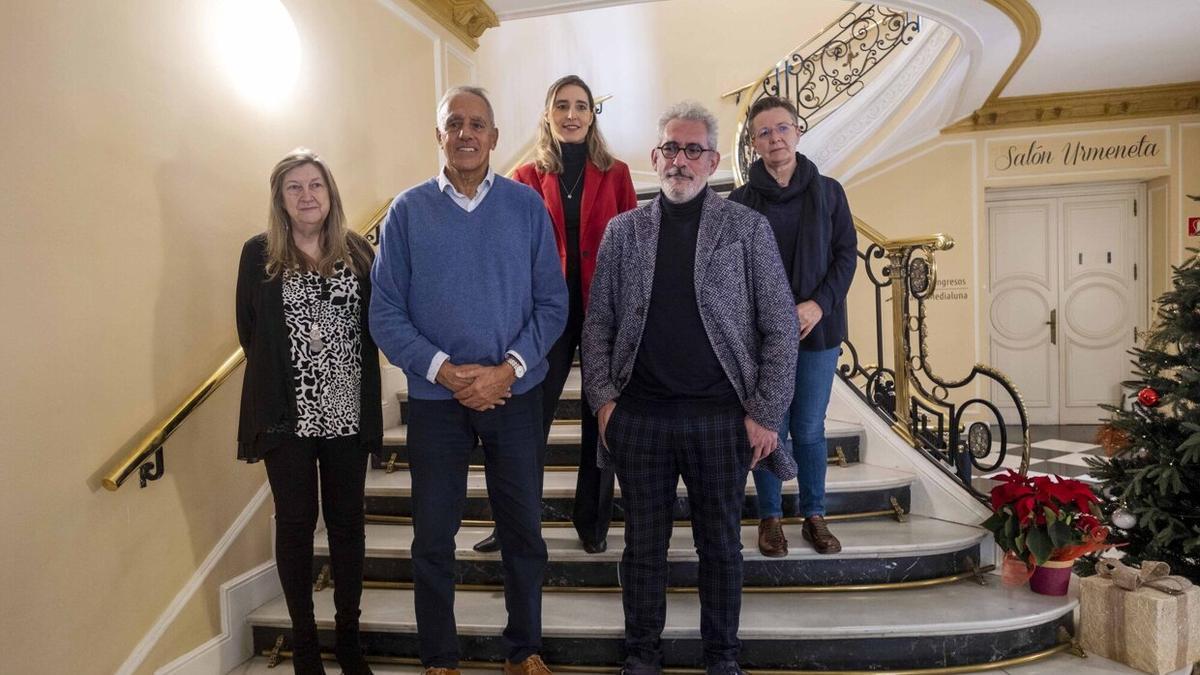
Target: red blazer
x=605, y=194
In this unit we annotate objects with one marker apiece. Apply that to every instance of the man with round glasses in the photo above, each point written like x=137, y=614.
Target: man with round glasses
x=689, y=352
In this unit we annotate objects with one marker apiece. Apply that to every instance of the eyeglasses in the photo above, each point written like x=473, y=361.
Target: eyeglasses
x=692, y=150
x=781, y=129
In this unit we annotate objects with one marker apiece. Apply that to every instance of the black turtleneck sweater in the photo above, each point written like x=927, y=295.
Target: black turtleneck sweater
x=677, y=371
x=570, y=185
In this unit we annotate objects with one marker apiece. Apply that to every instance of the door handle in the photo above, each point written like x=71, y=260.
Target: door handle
x=1053, y=323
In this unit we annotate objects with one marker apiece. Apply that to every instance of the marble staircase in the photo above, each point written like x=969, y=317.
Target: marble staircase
x=906, y=592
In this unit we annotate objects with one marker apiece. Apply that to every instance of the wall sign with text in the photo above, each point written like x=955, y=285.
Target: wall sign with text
x=1080, y=152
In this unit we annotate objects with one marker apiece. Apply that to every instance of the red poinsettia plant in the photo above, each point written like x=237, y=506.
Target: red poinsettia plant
x=1041, y=518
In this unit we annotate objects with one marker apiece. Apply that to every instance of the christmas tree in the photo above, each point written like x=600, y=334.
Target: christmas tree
x=1151, y=481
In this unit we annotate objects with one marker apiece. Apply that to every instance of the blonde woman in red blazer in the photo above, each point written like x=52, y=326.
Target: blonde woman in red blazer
x=583, y=187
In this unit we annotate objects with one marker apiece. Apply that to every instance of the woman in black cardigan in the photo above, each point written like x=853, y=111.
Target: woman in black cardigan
x=811, y=220
x=311, y=394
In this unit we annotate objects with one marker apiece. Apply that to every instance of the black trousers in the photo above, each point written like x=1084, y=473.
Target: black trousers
x=441, y=435
x=712, y=454
x=592, y=511
x=294, y=470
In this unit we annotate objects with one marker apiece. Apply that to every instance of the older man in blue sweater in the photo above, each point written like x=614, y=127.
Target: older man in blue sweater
x=468, y=299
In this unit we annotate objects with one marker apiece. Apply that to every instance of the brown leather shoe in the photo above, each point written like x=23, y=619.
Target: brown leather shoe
x=530, y=666
x=771, y=541
x=816, y=531
x=441, y=671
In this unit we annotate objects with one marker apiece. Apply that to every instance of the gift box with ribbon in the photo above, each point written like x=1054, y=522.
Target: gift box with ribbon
x=1142, y=617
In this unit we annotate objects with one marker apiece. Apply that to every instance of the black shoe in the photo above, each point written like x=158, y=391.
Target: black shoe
x=349, y=652
x=724, y=668
x=597, y=547
x=489, y=544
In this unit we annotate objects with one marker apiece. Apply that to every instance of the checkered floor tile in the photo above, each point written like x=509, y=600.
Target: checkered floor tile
x=1058, y=450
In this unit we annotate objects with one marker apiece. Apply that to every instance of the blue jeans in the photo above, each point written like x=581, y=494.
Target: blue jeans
x=805, y=422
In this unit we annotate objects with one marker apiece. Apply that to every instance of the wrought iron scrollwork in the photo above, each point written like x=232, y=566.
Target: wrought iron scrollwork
x=966, y=437
x=372, y=235
x=152, y=470
x=847, y=50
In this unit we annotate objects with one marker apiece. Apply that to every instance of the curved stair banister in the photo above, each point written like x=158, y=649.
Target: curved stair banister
x=146, y=456
x=817, y=77
x=849, y=48
x=905, y=390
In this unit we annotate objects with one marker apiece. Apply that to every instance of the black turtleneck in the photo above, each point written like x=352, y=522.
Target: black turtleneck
x=677, y=371
x=570, y=187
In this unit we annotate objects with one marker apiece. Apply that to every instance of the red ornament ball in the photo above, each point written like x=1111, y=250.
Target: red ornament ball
x=1148, y=397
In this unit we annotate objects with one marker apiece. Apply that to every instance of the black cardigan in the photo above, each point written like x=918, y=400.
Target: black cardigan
x=826, y=258
x=268, y=395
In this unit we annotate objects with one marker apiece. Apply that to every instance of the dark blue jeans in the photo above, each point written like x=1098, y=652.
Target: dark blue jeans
x=805, y=423
x=440, y=436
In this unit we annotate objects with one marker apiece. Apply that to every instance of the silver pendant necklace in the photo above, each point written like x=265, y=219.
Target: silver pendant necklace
x=571, y=192
x=316, y=341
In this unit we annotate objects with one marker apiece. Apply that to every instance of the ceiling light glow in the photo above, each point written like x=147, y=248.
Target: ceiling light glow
x=259, y=49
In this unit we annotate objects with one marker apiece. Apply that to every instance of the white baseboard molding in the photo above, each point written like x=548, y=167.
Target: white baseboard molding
x=239, y=596
x=185, y=595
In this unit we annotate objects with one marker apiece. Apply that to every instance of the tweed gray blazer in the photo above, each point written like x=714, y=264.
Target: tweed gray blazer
x=744, y=297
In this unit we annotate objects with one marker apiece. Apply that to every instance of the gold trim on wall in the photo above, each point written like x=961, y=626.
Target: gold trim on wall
x=1084, y=106
x=1029, y=25
x=467, y=19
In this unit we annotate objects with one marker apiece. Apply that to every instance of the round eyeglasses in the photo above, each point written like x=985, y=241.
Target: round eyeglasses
x=692, y=150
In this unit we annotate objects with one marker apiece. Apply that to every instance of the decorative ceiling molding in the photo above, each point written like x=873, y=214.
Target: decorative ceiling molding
x=1029, y=25
x=467, y=19
x=1084, y=106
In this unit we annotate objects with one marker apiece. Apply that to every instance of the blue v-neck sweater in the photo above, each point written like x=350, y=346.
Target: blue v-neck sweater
x=473, y=285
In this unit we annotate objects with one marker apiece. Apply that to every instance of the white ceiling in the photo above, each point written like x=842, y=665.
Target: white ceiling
x=508, y=10
x=1084, y=45
x=1104, y=44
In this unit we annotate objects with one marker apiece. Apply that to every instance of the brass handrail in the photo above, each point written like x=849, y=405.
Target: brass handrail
x=151, y=443
x=938, y=242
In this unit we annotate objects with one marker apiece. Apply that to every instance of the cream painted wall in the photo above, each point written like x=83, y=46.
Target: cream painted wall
x=940, y=186
x=133, y=174
x=647, y=56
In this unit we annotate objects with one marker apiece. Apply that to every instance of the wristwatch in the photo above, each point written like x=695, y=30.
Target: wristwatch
x=518, y=369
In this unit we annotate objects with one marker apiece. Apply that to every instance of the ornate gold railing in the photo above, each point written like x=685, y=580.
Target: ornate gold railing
x=146, y=456
x=816, y=78
x=904, y=389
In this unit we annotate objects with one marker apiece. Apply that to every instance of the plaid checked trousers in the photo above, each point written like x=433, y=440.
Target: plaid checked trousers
x=712, y=454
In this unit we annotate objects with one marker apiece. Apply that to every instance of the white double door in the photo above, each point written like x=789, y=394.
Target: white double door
x=1067, y=292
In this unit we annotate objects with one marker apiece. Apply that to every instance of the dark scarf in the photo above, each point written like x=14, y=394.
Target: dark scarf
x=805, y=190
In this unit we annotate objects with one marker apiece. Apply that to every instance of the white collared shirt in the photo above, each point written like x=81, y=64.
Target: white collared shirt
x=468, y=204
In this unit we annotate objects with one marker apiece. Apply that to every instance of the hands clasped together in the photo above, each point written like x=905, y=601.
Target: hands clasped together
x=478, y=387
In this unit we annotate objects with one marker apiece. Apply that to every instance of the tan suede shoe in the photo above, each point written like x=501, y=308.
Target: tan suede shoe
x=530, y=666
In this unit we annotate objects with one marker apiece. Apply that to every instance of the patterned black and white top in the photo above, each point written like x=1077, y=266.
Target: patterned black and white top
x=327, y=378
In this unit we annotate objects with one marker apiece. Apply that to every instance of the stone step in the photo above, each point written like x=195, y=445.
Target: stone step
x=1056, y=664
x=940, y=627
x=843, y=441
x=857, y=488
x=874, y=551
